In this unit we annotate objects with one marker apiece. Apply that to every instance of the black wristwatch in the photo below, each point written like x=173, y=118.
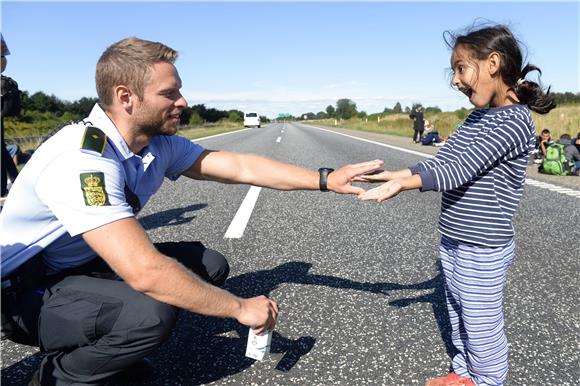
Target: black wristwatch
x=324, y=172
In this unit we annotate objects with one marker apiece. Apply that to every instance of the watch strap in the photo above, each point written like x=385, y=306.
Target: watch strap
x=324, y=172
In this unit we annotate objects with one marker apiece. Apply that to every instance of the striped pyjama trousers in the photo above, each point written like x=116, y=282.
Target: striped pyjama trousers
x=474, y=281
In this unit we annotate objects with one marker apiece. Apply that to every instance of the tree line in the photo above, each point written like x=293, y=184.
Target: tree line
x=346, y=108
x=42, y=112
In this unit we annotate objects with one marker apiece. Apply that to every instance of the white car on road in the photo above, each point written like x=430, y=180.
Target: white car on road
x=251, y=120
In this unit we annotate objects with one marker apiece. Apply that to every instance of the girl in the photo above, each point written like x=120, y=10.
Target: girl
x=481, y=172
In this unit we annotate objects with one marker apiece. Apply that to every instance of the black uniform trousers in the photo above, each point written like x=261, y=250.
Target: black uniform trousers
x=92, y=325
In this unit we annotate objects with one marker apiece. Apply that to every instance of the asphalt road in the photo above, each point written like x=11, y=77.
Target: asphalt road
x=358, y=283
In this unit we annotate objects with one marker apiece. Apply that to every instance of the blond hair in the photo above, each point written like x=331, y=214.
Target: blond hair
x=128, y=62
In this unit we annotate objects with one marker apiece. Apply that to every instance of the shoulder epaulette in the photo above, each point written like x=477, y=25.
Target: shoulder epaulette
x=94, y=140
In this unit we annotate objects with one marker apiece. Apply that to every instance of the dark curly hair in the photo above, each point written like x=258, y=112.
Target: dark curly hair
x=498, y=38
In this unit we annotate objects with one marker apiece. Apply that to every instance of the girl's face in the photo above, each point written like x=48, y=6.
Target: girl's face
x=479, y=80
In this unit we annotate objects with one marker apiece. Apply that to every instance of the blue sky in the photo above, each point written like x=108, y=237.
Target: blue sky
x=293, y=57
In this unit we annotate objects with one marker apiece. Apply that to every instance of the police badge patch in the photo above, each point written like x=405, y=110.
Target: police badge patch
x=93, y=185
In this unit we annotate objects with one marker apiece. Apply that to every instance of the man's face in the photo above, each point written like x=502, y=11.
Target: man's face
x=545, y=137
x=158, y=113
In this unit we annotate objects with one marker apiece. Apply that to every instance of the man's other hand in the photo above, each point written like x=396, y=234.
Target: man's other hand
x=259, y=313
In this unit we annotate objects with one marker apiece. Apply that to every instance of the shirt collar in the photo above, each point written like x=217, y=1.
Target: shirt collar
x=100, y=120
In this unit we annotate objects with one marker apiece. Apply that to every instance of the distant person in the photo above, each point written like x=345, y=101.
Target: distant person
x=481, y=171
x=80, y=276
x=10, y=107
x=431, y=137
x=418, y=123
x=542, y=143
x=571, y=151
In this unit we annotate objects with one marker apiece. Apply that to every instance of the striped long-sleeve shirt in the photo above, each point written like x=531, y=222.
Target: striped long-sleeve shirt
x=481, y=171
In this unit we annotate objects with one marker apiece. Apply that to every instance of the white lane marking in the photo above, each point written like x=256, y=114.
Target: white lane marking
x=529, y=181
x=218, y=135
x=282, y=131
x=375, y=142
x=553, y=188
x=278, y=139
x=240, y=221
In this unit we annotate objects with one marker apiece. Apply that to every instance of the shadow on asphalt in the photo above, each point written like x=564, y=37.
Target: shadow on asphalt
x=170, y=217
x=205, y=349
x=438, y=304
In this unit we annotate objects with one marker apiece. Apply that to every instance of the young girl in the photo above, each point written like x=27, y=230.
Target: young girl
x=481, y=172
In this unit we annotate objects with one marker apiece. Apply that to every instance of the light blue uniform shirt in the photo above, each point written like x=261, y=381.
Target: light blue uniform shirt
x=46, y=208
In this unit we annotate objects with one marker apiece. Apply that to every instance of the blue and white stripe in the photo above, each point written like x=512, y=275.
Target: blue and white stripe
x=481, y=171
x=474, y=280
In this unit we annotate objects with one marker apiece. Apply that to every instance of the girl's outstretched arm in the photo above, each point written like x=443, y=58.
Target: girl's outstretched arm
x=392, y=188
x=383, y=175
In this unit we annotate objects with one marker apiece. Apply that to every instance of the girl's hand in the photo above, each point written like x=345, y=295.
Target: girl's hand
x=375, y=176
x=383, y=192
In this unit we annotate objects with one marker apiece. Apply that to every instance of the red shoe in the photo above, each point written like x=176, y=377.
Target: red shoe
x=450, y=379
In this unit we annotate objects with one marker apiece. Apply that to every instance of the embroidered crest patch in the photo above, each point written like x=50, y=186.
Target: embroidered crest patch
x=93, y=186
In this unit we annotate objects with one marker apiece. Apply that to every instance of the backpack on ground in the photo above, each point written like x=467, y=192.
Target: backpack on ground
x=556, y=161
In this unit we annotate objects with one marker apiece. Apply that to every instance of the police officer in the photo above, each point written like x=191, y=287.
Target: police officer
x=79, y=274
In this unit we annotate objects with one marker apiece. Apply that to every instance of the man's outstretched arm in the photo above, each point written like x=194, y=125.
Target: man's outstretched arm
x=251, y=169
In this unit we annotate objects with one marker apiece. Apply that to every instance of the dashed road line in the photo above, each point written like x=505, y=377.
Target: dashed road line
x=240, y=221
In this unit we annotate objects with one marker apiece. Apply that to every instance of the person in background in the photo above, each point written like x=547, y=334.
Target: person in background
x=10, y=107
x=571, y=151
x=431, y=137
x=418, y=123
x=542, y=143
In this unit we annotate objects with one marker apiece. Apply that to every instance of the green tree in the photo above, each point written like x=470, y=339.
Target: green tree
x=397, y=109
x=195, y=119
x=330, y=111
x=432, y=110
x=82, y=107
x=235, y=116
x=39, y=101
x=345, y=108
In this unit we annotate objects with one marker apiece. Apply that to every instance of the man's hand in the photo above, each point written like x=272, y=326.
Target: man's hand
x=340, y=180
x=259, y=313
x=375, y=176
x=383, y=192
